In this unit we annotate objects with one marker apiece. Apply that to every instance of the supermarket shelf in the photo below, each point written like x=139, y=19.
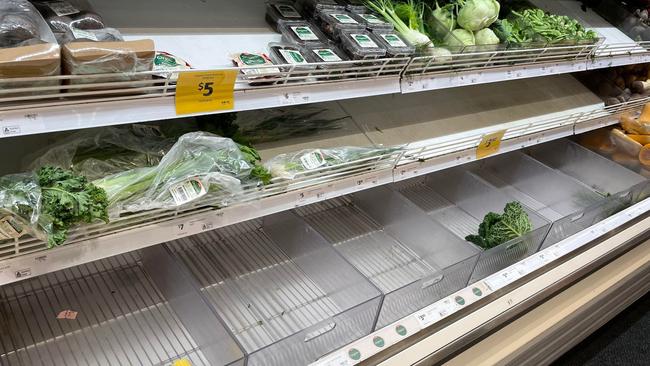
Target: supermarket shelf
x=435, y=314
x=25, y=258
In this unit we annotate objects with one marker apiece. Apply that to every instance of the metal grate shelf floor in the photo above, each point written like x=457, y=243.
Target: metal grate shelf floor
x=262, y=295
x=121, y=319
x=382, y=259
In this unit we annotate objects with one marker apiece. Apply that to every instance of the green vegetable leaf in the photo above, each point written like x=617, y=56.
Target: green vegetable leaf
x=497, y=229
x=68, y=199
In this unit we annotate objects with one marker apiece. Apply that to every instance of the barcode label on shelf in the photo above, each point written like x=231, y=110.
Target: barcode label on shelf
x=502, y=279
x=340, y=359
x=428, y=316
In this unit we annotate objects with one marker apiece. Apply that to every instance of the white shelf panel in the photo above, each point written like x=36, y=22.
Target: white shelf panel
x=432, y=315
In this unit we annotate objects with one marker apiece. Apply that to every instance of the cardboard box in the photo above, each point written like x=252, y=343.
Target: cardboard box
x=83, y=58
x=36, y=60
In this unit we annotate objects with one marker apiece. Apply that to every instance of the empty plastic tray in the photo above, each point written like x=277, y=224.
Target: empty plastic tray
x=109, y=312
x=413, y=261
x=286, y=296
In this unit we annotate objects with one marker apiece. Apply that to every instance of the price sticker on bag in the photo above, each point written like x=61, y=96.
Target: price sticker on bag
x=490, y=144
x=205, y=91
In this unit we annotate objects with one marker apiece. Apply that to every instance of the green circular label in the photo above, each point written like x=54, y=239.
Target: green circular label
x=354, y=354
x=460, y=300
x=401, y=330
x=378, y=341
x=477, y=291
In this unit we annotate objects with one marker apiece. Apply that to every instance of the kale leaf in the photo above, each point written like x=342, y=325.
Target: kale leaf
x=497, y=229
x=68, y=199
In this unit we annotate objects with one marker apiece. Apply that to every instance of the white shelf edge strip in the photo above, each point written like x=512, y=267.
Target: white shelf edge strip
x=392, y=334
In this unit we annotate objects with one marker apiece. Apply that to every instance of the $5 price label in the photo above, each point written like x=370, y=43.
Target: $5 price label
x=490, y=144
x=205, y=91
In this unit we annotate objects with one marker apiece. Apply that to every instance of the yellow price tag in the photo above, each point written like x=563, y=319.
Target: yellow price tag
x=205, y=91
x=182, y=362
x=490, y=144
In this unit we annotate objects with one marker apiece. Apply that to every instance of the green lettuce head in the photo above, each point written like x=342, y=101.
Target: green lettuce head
x=475, y=15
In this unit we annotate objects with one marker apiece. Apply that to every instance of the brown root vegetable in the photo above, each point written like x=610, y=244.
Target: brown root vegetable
x=641, y=87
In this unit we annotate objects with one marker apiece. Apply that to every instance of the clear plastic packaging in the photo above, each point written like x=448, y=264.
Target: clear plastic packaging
x=198, y=165
x=28, y=47
x=281, y=10
x=394, y=43
x=311, y=7
x=98, y=153
x=326, y=53
x=301, y=32
x=372, y=21
x=256, y=76
x=356, y=6
x=94, y=57
x=20, y=208
x=283, y=53
x=291, y=165
x=361, y=45
x=333, y=22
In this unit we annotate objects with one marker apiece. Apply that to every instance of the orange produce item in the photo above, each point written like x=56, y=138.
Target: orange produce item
x=642, y=139
x=645, y=114
x=624, y=144
x=634, y=126
x=644, y=156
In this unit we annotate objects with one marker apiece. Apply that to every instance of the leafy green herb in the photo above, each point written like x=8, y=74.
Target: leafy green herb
x=69, y=199
x=497, y=229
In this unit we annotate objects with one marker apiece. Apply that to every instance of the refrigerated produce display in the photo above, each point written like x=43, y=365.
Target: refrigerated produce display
x=319, y=182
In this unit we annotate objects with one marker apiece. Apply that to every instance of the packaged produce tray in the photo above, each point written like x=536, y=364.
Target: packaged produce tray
x=109, y=312
x=459, y=200
x=413, y=261
x=286, y=296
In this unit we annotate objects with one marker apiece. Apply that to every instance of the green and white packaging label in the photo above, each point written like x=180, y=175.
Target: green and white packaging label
x=82, y=34
x=344, y=19
x=327, y=55
x=287, y=11
x=364, y=41
x=313, y=160
x=305, y=33
x=371, y=19
x=393, y=40
x=251, y=59
x=187, y=191
x=292, y=56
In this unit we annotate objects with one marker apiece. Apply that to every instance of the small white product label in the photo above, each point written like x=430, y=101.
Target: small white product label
x=287, y=11
x=9, y=228
x=364, y=41
x=187, y=191
x=82, y=34
x=371, y=19
x=292, y=56
x=11, y=130
x=344, y=19
x=313, y=160
x=305, y=33
x=62, y=8
x=393, y=40
x=327, y=55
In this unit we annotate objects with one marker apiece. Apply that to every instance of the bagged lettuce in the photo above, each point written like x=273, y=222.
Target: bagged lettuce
x=199, y=165
x=310, y=161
